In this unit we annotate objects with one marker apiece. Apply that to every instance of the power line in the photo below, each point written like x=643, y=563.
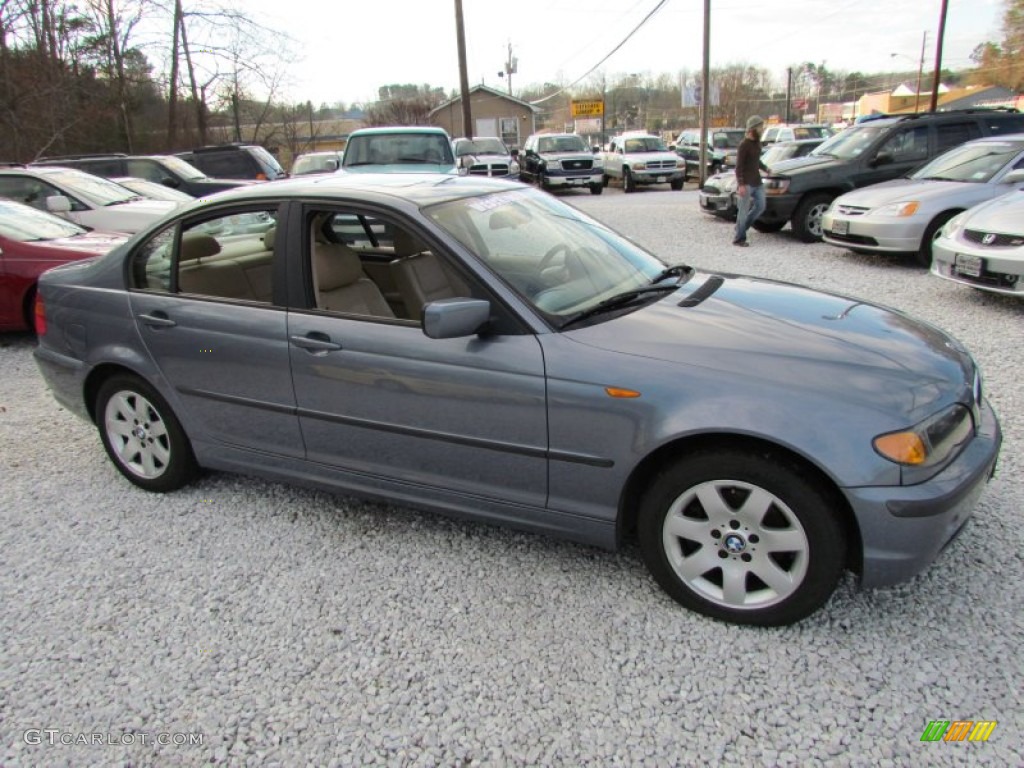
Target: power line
x=608, y=56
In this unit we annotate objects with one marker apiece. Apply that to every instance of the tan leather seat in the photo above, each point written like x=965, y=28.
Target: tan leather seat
x=341, y=284
x=420, y=276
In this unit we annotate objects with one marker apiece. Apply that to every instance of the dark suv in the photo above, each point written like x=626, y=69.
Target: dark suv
x=801, y=190
x=168, y=170
x=235, y=161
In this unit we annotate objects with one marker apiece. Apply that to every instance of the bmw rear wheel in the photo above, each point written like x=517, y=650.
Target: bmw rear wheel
x=742, y=537
x=142, y=436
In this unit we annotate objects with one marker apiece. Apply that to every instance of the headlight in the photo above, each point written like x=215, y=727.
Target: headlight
x=930, y=442
x=639, y=166
x=906, y=208
x=952, y=227
x=776, y=185
x=680, y=163
x=553, y=164
x=513, y=167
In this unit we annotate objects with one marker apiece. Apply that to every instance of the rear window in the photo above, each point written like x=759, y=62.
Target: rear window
x=1005, y=124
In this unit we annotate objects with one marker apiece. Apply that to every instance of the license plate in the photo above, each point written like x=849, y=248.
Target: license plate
x=968, y=266
x=577, y=181
x=662, y=179
x=840, y=227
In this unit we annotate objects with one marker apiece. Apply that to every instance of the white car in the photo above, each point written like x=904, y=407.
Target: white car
x=639, y=158
x=984, y=246
x=905, y=215
x=89, y=201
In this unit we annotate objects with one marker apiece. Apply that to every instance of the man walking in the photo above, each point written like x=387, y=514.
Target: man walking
x=750, y=201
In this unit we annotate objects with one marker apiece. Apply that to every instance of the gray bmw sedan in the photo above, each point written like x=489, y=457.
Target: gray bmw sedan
x=480, y=348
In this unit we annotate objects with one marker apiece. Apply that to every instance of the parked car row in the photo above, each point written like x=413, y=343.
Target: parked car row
x=942, y=187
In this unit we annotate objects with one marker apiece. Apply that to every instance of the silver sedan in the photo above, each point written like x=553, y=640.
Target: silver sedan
x=905, y=215
x=984, y=247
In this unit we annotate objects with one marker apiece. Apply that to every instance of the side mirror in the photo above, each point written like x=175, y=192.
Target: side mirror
x=1015, y=176
x=58, y=204
x=167, y=181
x=882, y=158
x=514, y=153
x=595, y=149
x=455, y=318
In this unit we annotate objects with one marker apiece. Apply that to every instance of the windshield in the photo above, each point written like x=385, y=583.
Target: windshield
x=152, y=190
x=851, y=142
x=96, y=190
x=560, y=260
x=726, y=139
x=267, y=159
x=398, y=148
x=561, y=144
x=182, y=168
x=481, y=146
x=646, y=144
x=971, y=162
x=26, y=224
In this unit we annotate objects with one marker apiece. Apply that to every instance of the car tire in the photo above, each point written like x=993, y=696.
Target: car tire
x=142, y=436
x=628, y=184
x=677, y=184
x=605, y=179
x=924, y=254
x=542, y=181
x=596, y=189
x=766, y=226
x=807, y=216
x=741, y=536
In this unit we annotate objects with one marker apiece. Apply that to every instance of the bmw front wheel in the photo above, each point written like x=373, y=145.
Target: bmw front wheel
x=741, y=537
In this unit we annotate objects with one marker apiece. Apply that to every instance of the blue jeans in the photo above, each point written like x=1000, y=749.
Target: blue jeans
x=749, y=208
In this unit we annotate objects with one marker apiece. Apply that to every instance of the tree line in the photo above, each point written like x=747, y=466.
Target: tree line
x=82, y=76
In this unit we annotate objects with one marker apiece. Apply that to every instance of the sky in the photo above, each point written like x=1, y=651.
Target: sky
x=346, y=49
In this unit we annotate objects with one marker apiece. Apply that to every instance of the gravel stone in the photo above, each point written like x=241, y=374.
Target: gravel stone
x=291, y=627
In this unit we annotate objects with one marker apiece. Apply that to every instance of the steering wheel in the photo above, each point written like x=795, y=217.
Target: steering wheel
x=545, y=262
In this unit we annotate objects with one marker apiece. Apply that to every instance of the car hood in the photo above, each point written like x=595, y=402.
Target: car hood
x=133, y=216
x=817, y=162
x=900, y=190
x=91, y=242
x=803, y=340
x=1004, y=215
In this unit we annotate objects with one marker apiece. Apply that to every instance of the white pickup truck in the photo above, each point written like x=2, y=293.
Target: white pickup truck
x=640, y=158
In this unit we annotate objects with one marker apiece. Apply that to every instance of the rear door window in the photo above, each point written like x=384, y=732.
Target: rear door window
x=954, y=134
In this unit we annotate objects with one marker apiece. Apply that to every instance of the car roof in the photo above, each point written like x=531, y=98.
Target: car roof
x=399, y=129
x=419, y=189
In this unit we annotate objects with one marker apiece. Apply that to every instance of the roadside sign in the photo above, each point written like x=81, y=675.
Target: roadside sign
x=588, y=108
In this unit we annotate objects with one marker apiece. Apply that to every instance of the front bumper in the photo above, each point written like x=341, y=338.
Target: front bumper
x=779, y=208
x=658, y=175
x=890, y=235
x=573, y=178
x=1002, y=273
x=717, y=203
x=904, y=528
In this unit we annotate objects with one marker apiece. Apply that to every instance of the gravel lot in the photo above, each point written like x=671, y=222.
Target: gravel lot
x=289, y=627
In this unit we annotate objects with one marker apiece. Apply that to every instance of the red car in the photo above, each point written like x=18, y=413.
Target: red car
x=32, y=241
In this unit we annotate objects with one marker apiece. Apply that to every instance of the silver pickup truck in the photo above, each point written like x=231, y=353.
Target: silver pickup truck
x=639, y=158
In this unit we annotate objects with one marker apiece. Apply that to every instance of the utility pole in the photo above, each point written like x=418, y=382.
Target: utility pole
x=938, y=56
x=460, y=35
x=789, y=93
x=511, y=67
x=705, y=91
x=920, y=70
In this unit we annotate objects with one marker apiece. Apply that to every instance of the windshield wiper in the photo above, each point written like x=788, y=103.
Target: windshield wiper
x=617, y=301
x=683, y=271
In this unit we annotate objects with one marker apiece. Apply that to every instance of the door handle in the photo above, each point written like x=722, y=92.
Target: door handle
x=157, y=320
x=315, y=343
